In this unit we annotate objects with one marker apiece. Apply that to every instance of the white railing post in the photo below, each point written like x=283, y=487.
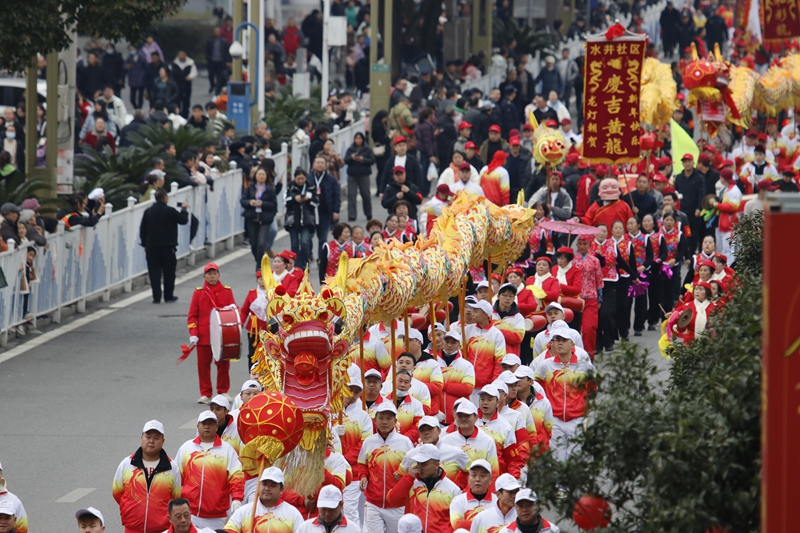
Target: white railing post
x=131, y=230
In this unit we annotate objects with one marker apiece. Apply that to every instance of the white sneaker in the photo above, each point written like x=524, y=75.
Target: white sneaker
x=203, y=399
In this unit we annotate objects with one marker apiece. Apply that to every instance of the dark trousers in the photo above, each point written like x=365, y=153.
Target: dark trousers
x=623, y=306
x=670, y=289
x=356, y=185
x=654, y=313
x=639, y=312
x=607, y=323
x=526, y=349
x=161, y=260
x=258, y=235
x=185, y=98
x=323, y=226
x=137, y=97
x=252, y=344
x=217, y=76
x=697, y=225
x=301, y=239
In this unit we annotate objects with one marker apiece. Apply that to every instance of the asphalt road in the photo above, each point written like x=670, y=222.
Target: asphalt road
x=73, y=407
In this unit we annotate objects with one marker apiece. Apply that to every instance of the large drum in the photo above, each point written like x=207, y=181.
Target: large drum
x=569, y=302
x=225, y=332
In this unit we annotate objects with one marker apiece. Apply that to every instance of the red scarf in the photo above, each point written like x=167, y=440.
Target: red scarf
x=498, y=160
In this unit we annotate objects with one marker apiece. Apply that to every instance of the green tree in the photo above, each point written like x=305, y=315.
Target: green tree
x=680, y=455
x=44, y=26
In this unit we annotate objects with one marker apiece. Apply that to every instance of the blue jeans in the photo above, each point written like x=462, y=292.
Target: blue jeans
x=301, y=239
x=273, y=231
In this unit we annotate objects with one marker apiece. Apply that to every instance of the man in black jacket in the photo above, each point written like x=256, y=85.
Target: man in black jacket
x=518, y=165
x=508, y=112
x=403, y=159
x=669, y=24
x=158, y=233
x=400, y=189
x=691, y=185
x=133, y=127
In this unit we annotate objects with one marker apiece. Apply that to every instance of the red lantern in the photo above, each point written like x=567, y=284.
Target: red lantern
x=270, y=425
x=592, y=512
x=649, y=142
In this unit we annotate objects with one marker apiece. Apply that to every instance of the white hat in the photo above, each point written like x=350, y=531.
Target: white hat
x=372, y=372
x=491, y=390
x=524, y=372
x=426, y=452
x=428, y=421
x=329, y=497
x=272, y=473
x=511, y=359
x=467, y=408
x=438, y=326
x=453, y=334
x=355, y=382
x=250, y=384
x=412, y=334
x=1, y=466
x=499, y=385
x=92, y=511
x=409, y=523
x=253, y=366
x=482, y=285
x=526, y=495
x=554, y=305
x=506, y=482
x=471, y=299
x=481, y=463
x=508, y=377
x=483, y=305
x=153, y=424
x=220, y=400
x=557, y=330
x=157, y=172
x=507, y=286
x=96, y=194
x=6, y=507
x=206, y=415
x=386, y=406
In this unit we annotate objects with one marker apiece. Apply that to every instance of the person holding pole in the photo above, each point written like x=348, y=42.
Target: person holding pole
x=269, y=512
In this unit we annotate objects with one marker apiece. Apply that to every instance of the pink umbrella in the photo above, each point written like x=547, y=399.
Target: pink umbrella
x=566, y=226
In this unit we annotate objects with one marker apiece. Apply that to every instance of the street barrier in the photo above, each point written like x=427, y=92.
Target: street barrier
x=342, y=139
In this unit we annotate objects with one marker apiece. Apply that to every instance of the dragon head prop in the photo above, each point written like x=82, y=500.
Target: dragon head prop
x=549, y=144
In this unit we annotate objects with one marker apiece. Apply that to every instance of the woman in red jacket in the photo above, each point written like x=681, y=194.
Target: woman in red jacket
x=544, y=281
x=252, y=315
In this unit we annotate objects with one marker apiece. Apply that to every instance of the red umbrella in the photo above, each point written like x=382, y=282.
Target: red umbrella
x=566, y=226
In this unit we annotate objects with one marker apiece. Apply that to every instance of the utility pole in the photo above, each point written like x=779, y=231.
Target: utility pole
x=238, y=18
x=326, y=53
x=482, y=27
x=380, y=73
x=31, y=99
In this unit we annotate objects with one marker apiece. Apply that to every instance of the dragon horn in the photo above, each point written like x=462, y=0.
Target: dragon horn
x=694, y=53
x=266, y=273
x=340, y=280
x=521, y=198
x=532, y=120
x=718, y=53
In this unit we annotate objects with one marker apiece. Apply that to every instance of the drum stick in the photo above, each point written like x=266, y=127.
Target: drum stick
x=432, y=320
x=446, y=314
x=488, y=269
x=394, y=362
x=361, y=366
x=461, y=296
x=405, y=323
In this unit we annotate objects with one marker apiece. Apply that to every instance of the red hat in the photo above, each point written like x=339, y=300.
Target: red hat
x=494, y=127
x=565, y=120
x=726, y=174
x=550, y=123
x=573, y=157
x=565, y=250
x=705, y=158
x=584, y=164
x=464, y=125
x=706, y=285
x=751, y=133
x=602, y=169
x=726, y=163
x=762, y=137
x=661, y=178
x=514, y=141
x=258, y=274
x=514, y=270
x=288, y=255
x=464, y=166
x=497, y=277
x=681, y=97
x=709, y=148
x=767, y=185
x=585, y=238
x=688, y=49
x=470, y=145
x=399, y=170
x=721, y=257
x=788, y=169
x=527, y=127
x=708, y=264
x=771, y=121
x=444, y=189
x=513, y=133
x=544, y=258
x=722, y=286
x=664, y=161
x=210, y=266
x=399, y=139
x=690, y=157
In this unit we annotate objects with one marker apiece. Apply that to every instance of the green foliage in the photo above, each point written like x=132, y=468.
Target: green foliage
x=16, y=189
x=114, y=186
x=282, y=115
x=683, y=456
x=129, y=163
x=44, y=25
x=156, y=136
x=528, y=41
x=748, y=242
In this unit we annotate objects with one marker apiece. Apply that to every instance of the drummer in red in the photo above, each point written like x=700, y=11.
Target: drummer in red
x=212, y=295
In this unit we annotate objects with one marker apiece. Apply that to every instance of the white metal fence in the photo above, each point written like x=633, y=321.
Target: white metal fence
x=342, y=139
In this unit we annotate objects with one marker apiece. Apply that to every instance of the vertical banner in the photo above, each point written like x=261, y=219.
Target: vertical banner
x=780, y=376
x=612, y=84
x=779, y=20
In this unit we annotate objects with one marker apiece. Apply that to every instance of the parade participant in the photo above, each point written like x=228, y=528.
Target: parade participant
x=502, y=513
x=331, y=518
x=15, y=504
x=569, y=278
x=294, y=276
x=361, y=247
x=563, y=373
x=510, y=363
x=438, y=332
x=545, y=280
x=145, y=482
x=509, y=455
x=407, y=224
x=526, y=503
x=272, y=513
x=372, y=390
x=250, y=388
x=418, y=390
x=90, y=520
x=485, y=346
x=450, y=175
x=212, y=476
x=585, y=184
x=708, y=249
x=759, y=169
x=530, y=393
x=380, y=457
x=608, y=254
x=476, y=498
x=426, y=368
x=727, y=203
x=722, y=272
x=426, y=490
x=180, y=518
x=392, y=229
x=701, y=307
x=454, y=461
x=554, y=311
x=541, y=241
x=525, y=300
x=355, y=427
x=226, y=421
x=7, y=518
x=465, y=182
x=628, y=275
x=508, y=319
x=332, y=251
x=495, y=180
x=656, y=241
x=409, y=409
x=475, y=442
x=433, y=209
x=376, y=355
x=458, y=375
x=252, y=315
x=409, y=523
x=212, y=295
x=517, y=422
x=591, y=288
x=607, y=208
x=336, y=473
x=788, y=183
x=675, y=246
x=511, y=403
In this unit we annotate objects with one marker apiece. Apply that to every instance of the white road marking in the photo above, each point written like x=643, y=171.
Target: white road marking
x=75, y=495
x=191, y=424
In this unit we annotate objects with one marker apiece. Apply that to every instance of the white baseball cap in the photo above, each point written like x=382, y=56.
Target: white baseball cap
x=6, y=507
x=220, y=400
x=491, y=390
x=500, y=386
x=426, y=452
x=467, y=408
x=453, y=334
x=92, y=511
x=438, y=326
x=554, y=305
x=206, y=415
x=386, y=406
x=409, y=523
x=524, y=372
x=153, y=424
x=272, y=473
x=470, y=299
x=511, y=359
x=482, y=285
x=506, y=482
x=96, y=194
x=483, y=305
x=508, y=377
x=329, y=497
x=355, y=382
x=372, y=372
x=481, y=463
x=507, y=286
x=250, y=384
x=526, y=495
x=412, y=334
x=428, y=421
x=561, y=331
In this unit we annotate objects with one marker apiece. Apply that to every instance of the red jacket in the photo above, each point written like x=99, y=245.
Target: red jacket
x=291, y=39
x=291, y=282
x=91, y=139
x=582, y=201
x=204, y=299
x=574, y=282
x=247, y=317
x=143, y=504
x=607, y=214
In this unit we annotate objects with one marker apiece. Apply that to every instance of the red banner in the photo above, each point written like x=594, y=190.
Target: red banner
x=779, y=20
x=611, y=100
x=780, y=383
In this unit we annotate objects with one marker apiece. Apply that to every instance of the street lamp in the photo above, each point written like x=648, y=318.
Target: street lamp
x=237, y=51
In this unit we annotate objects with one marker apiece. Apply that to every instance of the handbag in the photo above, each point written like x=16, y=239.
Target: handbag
x=379, y=150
